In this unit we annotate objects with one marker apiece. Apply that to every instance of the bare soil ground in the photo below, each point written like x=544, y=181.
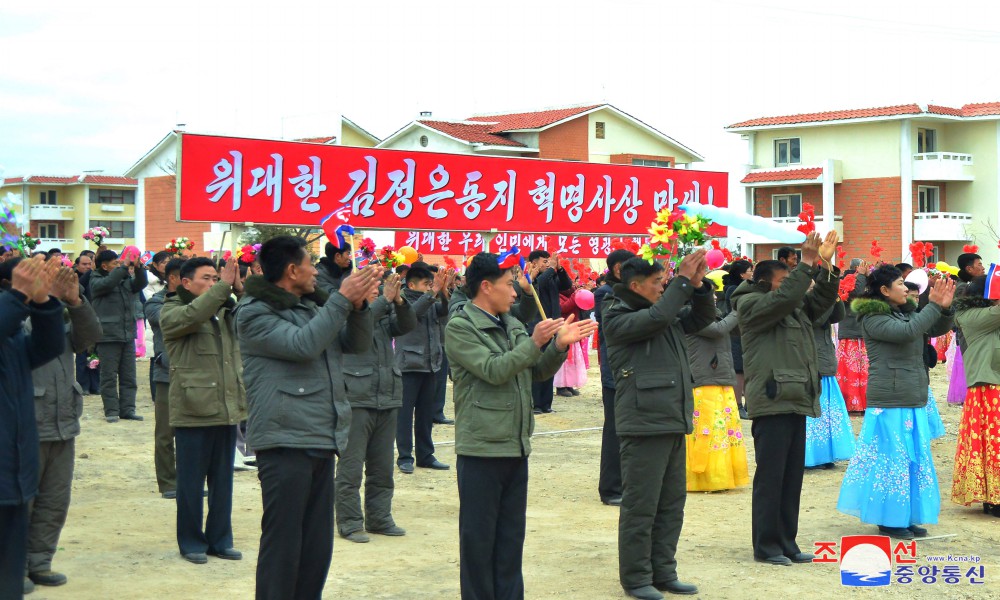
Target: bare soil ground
x=119, y=540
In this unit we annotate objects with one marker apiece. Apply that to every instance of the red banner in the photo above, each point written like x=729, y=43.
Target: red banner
x=467, y=243
x=239, y=180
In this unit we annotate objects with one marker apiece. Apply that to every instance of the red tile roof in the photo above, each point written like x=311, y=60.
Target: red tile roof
x=835, y=115
x=317, y=140
x=944, y=110
x=68, y=180
x=785, y=175
x=531, y=120
x=471, y=132
x=981, y=109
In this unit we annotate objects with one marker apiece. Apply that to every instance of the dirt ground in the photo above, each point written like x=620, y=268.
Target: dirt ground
x=119, y=540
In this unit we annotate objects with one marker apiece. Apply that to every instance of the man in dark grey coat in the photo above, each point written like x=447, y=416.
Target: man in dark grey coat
x=114, y=291
x=645, y=326
x=292, y=338
x=551, y=280
x=164, y=460
x=58, y=406
x=375, y=393
x=609, y=482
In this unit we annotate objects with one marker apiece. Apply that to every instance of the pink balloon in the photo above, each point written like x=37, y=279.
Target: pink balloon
x=715, y=259
x=584, y=299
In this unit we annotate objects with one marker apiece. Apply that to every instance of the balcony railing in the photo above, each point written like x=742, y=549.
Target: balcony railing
x=941, y=226
x=942, y=166
x=52, y=212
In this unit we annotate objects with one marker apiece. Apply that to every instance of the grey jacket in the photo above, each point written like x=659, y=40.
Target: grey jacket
x=823, y=330
x=421, y=350
x=894, y=339
x=292, y=351
x=326, y=278
x=600, y=294
x=849, y=327
x=58, y=397
x=161, y=364
x=710, y=352
x=114, y=301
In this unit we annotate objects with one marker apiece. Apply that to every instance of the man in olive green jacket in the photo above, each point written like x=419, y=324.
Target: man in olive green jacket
x=644, y=327
x=494, y=361
x=776, y=315
x=207, y=402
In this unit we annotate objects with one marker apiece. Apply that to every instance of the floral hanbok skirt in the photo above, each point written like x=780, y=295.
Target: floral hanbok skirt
x=852, y=373
x=977, y=455
x=716, y=454
x=829, y=437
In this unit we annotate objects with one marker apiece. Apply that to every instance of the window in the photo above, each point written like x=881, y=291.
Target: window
x=47, y=197
x=644, y=162
x=786, y=152
x=786, y=205
x=599, y=129
x=48, y=231
x=926, y=141
x=928, y=199
x=112, y=196
x=118, y=229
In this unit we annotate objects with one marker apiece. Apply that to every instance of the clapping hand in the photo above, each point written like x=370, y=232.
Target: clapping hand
x=810, y=248
x=694, y=266
x=34, y=277
x=392, y=288
x=829, y=247
x=230, y=273
x=544, y=331
x=943, y=292
x=574, y=331
x=358, y=286
x=66, y=286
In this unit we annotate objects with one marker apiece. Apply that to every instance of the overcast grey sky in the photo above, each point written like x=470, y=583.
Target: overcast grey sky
x=94, y=85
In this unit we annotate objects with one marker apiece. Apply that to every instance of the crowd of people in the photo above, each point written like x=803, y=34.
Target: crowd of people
x=328, y=379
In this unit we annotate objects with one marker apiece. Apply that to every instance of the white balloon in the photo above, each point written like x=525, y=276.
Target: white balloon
x=919, y=277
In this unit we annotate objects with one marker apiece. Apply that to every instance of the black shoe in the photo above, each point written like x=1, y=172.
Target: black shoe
x=548, y=411
x=358, y=537
x=391, y=531
x=987, y=508
x=899, y=533
x=444, y=421
x=574, y=391
x=995, y=510
x=646, y=592
x=49, y=578
x=197, y=558
x=676, y=587
x=29, y=586
x=612, y=501
x=781, y=560
x=801, y=557
x=112, y=418
x=436, y=465
x=565, y=393
x=536, y=411
x=829, y=466
x=132, y=417
x=169, y=495
x=743, y=414
x=918, y=531
x=406, y=467
x=227, y=554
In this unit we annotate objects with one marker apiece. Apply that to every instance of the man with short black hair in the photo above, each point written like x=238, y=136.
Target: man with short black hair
x=163, y=434
x=970, y=266
x=904, y=268
x=207, y=401
x=419, y=357
x=114, y=290
x=333, y=267
x=551, y=279
x=494, y=360
x=609, y=483
x=292, y=339
x=645, y=327
x=788, y=256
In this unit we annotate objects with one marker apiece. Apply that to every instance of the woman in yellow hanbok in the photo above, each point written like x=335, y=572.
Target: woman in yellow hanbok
x=716, y=454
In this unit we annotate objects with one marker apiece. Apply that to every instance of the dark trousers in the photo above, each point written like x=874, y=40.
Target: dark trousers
x=652, y=511
x=369, y=451
x=441, y=390
x=780, y=453
x=296, y=539
x=205, y=452
x=416, y=418
x=50, y=506
x=89, y=379
x=13, y=549
x=163, y=441
x=541, y=393
x=118, y=382
x=609, y=484
x=493, y=500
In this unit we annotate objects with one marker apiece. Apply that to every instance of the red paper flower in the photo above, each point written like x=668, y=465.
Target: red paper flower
x=970, y=249
x=847, y=285
x=876, y=250
x=808, y=218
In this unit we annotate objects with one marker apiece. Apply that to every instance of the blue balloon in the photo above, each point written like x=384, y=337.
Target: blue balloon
x=749, y=223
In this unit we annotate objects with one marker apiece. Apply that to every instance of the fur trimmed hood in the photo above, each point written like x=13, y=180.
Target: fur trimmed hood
x=258, y=287
x=968, y=302
x=872, y=306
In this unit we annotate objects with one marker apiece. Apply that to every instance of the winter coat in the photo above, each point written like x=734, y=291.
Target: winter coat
x=292, y=349
x=979, y=319
x=894, y=339
x=780, y=361
x=826, y=351
x=329, y=275
x=20, y=354
x=735, y=337
x=849, y=328
x=369, y=378
x=524, y=308
x=58, y=396
x=647, y=352
x=420, y=350
x=600, y=294
x=548, y=284
x=206, y=380
x=161, y=362
x=710, y=352
x=114, y=301
x=493, y=368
